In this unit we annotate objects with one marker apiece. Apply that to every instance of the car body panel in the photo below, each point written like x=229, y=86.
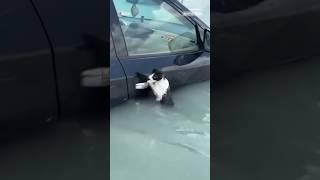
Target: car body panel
x=27, y=81
x=46, y=49
x=78, y=31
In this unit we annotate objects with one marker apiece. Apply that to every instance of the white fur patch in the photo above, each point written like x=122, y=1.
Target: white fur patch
x=159, y=88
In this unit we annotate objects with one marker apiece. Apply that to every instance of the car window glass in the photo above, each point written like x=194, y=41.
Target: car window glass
x=154, y=27
x=201, y=8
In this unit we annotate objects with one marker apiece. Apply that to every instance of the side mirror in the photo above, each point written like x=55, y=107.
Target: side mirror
x=206, y=40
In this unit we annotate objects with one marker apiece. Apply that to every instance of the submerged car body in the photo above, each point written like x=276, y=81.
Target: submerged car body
x=155, y=34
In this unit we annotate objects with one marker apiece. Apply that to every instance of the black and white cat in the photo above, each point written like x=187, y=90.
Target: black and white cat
x=159, y=85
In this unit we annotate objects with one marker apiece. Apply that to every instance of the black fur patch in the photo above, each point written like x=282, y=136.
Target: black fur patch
x=157, y=75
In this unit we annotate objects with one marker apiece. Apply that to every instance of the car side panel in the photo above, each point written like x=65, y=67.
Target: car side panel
x=27, y=83
x=78, y=31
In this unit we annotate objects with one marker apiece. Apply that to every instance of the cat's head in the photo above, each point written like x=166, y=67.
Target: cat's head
x=156, y=75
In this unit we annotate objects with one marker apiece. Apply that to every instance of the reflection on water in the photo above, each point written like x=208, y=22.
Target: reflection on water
x=150, y=141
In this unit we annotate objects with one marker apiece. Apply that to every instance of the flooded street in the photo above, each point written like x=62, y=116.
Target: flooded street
x=149, y=141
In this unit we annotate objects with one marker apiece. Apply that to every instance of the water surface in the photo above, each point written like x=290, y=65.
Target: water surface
x=150, y=141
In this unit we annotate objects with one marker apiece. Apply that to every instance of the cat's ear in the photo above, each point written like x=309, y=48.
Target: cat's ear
x=157, y=71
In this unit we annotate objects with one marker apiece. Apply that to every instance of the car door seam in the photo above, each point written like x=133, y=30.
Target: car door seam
x=52, y=57
x=127, y=85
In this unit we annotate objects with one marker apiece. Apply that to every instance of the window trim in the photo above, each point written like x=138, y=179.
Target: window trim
x=161, y=55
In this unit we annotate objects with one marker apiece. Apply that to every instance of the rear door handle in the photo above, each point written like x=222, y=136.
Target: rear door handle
x=96, y=77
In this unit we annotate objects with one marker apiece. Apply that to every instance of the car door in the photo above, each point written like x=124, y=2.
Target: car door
x=155, y=34
x=77, y=30
x=27, y=81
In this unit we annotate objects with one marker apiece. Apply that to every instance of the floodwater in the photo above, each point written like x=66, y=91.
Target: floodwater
x=149, y=141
